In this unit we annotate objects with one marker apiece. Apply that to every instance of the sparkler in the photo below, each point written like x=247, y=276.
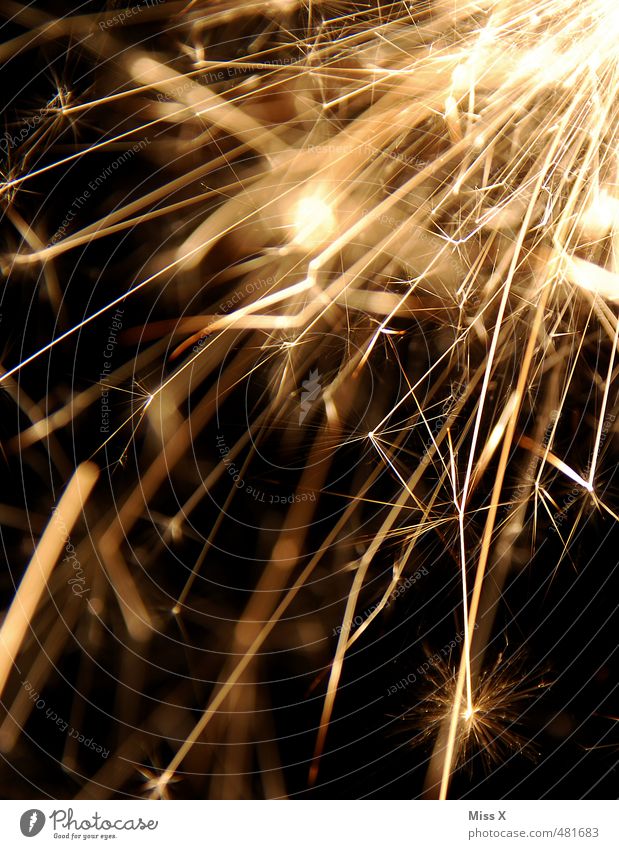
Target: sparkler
x=390, y=198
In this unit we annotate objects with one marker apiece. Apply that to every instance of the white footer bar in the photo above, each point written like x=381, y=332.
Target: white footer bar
x=311, y=824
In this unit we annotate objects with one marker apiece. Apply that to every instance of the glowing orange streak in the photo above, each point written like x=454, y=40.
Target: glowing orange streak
x=488, y=530
x=37, y=575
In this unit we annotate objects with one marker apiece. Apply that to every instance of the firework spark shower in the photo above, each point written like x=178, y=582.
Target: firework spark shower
x=309, y=384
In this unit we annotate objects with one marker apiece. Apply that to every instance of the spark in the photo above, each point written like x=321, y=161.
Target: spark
x=492, y=726
x=440, y=196
x=313, y=220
